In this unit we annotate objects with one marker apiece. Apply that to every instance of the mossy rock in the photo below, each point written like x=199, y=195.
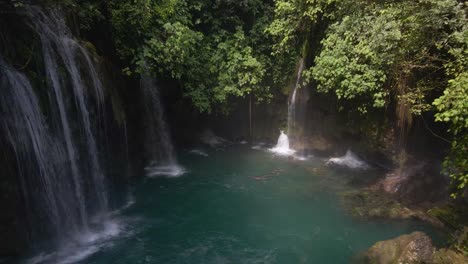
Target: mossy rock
x=413, y=248
x=410, y=249
x=452, y=216
x=448, y=256
x=367, y=203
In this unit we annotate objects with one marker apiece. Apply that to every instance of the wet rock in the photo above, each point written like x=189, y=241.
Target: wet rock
x=413, y=248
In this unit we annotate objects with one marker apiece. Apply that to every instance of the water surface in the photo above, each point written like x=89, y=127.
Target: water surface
x=245, y=206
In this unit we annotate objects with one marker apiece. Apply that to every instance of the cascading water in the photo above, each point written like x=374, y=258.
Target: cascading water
x=26, y=130
x=292, y=102
x=282, y=147
x=57, y=157
x=159, y=143
x=56, y=40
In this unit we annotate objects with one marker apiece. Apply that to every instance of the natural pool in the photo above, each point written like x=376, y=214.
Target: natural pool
x=241, y=206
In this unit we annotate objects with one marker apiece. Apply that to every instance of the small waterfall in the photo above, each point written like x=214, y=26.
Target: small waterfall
x=158, y=140
x=282, y=146
x=292, y=103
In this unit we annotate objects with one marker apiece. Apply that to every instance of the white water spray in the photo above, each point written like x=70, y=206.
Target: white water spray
x=349, y=160
x=282, y=146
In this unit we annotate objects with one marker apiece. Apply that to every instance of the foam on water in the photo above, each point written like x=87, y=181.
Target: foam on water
x=209, y=138
x=165, y=170
x=84, y=244
x=302, y=157
x=282, y=147
x=259, y=146
x=199, y=152
x=349, y=160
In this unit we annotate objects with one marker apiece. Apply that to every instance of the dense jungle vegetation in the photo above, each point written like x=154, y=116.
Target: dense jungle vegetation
x=404, y=59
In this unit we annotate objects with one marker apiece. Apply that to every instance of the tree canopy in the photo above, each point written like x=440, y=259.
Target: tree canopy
x=369, y=55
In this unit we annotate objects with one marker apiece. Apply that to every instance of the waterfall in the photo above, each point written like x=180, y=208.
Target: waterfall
x=56, y=39
x=54, y=136
x=292, y=103
x=158, y=140
x=282, y=147
x=26, y=131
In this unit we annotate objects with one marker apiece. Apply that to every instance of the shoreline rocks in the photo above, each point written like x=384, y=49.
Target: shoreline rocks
x=411, y=248
x=369, y=203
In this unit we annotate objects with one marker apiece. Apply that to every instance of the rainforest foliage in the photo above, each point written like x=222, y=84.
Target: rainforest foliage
x=404, y=55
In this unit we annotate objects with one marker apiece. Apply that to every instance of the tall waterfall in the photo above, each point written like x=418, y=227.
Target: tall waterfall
x=26, y=130
x=57, y=156
x=292, y=103
x=57, y=42
x=158, y=140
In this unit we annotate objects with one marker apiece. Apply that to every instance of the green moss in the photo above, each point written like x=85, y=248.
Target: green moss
x=368, y=203
x=451, y=215
x=448, y=256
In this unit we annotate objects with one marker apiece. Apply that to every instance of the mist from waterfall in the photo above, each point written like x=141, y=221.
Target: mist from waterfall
x=158, y=140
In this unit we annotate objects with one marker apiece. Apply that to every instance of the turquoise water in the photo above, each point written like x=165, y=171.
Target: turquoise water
x=242, y=206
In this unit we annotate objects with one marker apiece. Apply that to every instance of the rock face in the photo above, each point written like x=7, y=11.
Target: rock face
x=413, y=248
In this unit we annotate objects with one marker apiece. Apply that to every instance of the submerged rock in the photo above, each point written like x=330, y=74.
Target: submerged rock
x=413, y=248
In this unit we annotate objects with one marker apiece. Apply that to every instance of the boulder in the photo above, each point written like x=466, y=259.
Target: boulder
x=413, y=248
